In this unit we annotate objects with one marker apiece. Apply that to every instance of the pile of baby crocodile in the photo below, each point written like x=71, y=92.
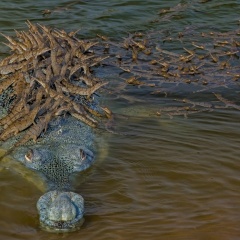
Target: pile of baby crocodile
x=50, y=73
x=189, y=57
x=193, y=70
x=47, y=73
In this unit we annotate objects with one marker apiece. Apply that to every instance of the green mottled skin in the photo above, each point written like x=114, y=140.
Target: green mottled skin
x=67, y=147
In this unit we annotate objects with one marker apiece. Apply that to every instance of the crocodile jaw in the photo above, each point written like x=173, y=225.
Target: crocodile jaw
x=60, y=211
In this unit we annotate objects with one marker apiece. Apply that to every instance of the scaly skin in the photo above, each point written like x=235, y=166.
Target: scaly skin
x=67, y=147
x=41, y=80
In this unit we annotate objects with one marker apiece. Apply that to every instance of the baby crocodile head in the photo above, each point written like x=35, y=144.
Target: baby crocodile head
x=61, y=211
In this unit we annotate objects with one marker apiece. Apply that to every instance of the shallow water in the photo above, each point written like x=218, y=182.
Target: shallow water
x=163, y=178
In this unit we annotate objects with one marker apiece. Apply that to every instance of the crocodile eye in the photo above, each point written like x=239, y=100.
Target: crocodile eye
x=92, y=98
x=82, y=154
x=29, y=155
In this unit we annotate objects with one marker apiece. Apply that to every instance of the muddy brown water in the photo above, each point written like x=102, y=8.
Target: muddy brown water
x=168, y=179
x=162, y=178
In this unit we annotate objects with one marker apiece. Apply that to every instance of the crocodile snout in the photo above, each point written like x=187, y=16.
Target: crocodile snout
x=61, y=211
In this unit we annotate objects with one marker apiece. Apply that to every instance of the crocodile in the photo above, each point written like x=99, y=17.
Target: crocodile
x=48, y=95
x=48, y=91
x=66, y=148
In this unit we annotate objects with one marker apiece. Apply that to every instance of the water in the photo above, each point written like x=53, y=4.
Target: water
x=163, y=178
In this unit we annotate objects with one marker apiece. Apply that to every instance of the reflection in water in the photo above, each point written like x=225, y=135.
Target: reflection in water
x=163, y=178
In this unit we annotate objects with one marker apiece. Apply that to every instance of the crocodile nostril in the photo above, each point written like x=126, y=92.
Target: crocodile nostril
x=62, y=209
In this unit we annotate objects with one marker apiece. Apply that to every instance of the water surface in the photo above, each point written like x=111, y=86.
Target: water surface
x=163, y=178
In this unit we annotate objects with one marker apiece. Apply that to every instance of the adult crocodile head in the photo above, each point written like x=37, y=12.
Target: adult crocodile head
x=46, y=88
x=56, y=158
